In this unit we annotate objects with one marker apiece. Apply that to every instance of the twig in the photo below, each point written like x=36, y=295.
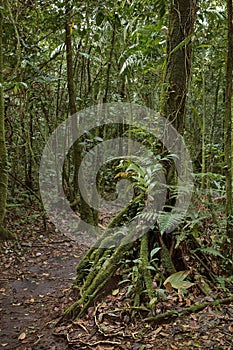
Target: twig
x=109, y=342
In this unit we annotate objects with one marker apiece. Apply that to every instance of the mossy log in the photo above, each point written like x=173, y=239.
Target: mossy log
x=99, y=264
x=99, y=251
x=106, y=270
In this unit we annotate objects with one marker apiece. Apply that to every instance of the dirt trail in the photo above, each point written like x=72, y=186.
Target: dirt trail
x=35, y=280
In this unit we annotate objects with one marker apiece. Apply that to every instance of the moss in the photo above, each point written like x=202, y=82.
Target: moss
x=98, y=277
x=91, y=259
x=4, y=234
x=166, y=261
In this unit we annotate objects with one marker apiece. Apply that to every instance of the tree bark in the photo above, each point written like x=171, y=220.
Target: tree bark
x=4, y=234
x=228, y=133
x=3, y=153
x=182, y=17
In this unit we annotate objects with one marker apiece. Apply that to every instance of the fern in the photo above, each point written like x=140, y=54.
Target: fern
x=181, y=237
x=168, y=221
x=210, y=250
x=130, y=62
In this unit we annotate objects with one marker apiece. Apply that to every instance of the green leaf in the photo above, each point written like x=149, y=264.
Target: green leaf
x=152, y=268
x=99, y=18
x=160, y=6
x=154, y=251
x=115, y=292
x=177, y=280
x=182, y=43
x=153, y=301
x=97, y=138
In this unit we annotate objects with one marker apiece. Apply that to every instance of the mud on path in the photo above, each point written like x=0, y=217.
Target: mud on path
x=36, y=274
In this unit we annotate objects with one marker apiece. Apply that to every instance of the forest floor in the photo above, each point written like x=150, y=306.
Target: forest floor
x=36, y=275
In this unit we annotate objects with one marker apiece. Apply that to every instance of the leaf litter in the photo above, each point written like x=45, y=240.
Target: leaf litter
x=36, y=275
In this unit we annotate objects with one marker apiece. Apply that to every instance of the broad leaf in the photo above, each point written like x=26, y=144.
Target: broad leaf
x=177, y=280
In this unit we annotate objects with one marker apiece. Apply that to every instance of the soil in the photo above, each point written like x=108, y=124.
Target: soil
x=36, y=275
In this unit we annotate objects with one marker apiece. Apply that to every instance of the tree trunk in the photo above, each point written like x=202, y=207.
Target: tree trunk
x=182, y=17
x=4, y=234
x=87, y=214
x=228, y=133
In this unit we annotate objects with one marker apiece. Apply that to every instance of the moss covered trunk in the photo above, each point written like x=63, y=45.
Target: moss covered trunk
x=3, y=151
x=228, y=246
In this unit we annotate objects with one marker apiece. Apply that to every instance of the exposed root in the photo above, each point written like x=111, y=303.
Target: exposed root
x=188, y=310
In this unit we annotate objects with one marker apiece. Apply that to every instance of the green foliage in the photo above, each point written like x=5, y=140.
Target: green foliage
x=154, y=252
x=34, y=79
x=160, y=6
x=168, y=221
x=210, y=250
x=225, y=283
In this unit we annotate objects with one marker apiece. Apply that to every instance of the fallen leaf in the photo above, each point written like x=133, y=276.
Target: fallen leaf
x=165, y=334
x=115, y=291
x=205, y=337
x=22, y=336
x=193, y=317
x=168, y=287
x=158, y=330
